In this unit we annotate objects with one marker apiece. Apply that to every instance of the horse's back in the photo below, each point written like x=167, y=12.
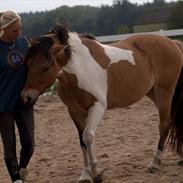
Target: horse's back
x=157, y=62
x=152, y=46
x=164, y=55
x=155, y=46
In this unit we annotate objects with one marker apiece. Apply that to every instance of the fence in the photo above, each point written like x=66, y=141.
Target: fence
x=112, y=38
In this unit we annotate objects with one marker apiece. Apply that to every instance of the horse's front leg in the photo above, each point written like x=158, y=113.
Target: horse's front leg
x=86, y=175
x=95, y=115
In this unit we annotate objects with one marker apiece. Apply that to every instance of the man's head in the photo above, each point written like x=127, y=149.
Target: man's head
x=10, y=26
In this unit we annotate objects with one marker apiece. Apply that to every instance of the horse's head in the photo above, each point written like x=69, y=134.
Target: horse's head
x=44, y=59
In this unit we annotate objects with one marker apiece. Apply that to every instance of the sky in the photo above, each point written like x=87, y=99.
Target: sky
x=21, y=6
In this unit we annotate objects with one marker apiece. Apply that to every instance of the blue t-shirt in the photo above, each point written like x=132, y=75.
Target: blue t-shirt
x=13, y=73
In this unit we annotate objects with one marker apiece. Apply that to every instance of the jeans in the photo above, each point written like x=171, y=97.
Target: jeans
x=23, y=118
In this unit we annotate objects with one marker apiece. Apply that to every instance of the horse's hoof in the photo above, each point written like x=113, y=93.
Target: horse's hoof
x=85, y=178
x=98, y=178
x=152, y=170
x=85, y=181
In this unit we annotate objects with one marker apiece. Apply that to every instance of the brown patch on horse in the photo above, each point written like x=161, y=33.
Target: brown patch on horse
x=60, y=55
x=137, y=46
x=77, y=100
x=98, y=54
x=81, y=97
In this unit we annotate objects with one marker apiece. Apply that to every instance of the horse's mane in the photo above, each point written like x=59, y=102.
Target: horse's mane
x=42, y=44
x=61, y=32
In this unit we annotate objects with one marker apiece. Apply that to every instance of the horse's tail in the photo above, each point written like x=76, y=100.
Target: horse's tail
x=176, y=129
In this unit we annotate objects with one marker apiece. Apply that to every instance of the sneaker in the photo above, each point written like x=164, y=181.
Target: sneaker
x=18, y=181
x=23, y=173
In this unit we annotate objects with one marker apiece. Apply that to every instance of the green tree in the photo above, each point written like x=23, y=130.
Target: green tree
x=175, y=21
x=105, y=21
x=125, y=14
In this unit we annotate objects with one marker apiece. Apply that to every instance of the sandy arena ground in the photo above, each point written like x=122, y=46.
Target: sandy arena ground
x=126, y=141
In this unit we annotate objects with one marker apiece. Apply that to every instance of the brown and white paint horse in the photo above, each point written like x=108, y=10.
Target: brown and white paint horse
x=93, y=77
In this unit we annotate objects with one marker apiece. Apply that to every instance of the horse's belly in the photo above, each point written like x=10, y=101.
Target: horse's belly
x=128, y=84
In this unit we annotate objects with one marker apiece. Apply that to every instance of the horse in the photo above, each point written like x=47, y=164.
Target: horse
x=93, y=77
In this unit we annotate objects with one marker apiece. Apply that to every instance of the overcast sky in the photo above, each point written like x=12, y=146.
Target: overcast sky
x=41, y=5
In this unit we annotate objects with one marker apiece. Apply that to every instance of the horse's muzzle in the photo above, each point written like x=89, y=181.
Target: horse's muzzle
x=29, y=96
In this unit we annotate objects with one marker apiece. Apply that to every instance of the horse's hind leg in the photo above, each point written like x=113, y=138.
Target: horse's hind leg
x=162, y=98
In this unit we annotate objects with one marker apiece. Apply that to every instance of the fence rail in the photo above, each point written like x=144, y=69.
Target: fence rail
x=112, y=38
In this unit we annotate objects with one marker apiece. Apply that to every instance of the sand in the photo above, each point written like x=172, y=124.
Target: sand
x=126, y=141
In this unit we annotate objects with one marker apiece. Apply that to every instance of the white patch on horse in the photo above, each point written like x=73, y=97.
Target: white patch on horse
x=91, y=76
x=159, y=154
x=157, y=159
x=117, y=54
x=95, y=115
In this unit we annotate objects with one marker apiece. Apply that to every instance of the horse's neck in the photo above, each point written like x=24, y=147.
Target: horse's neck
x=62, y=59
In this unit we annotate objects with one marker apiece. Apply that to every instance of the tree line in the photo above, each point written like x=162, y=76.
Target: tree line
x=105, y=20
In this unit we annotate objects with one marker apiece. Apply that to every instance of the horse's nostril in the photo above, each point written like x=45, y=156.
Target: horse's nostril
x=29, y=101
